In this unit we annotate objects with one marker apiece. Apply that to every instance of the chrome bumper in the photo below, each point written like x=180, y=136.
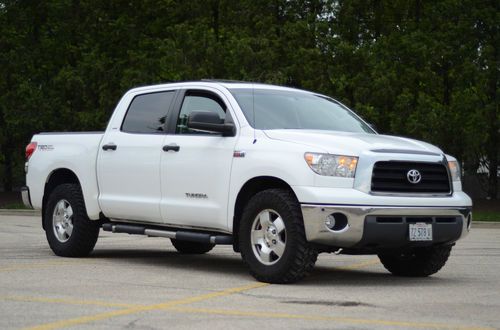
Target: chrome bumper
x=25, y=194
x=353, y=234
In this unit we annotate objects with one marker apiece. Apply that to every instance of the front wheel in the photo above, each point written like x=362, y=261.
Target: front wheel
x=69, y=231
x=417, y=262
x=272, y=238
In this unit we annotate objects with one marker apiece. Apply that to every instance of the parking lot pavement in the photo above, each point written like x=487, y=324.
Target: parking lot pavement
x=139, y=282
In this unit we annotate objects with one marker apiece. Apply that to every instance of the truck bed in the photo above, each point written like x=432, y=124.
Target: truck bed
x=75, y=151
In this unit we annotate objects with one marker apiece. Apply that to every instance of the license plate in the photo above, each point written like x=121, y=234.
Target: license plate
x=420, y=231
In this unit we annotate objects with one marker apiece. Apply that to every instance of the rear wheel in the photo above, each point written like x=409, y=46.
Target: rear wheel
x=70, y=233
x=418, y=262
x=191, y=247
x=272, y=238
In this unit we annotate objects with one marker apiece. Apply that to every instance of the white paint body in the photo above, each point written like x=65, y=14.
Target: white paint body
x=140, y=182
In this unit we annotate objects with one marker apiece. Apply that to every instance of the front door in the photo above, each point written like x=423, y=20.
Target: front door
x=196, y=167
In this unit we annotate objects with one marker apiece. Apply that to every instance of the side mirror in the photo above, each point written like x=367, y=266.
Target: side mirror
x=209, y=122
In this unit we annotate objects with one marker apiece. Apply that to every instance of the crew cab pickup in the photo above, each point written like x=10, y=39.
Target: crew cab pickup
x=280, y=174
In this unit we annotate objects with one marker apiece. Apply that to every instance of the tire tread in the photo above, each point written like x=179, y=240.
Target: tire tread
x=186, y=247
x=304, y=258
x=85, y=231
x=424, y=262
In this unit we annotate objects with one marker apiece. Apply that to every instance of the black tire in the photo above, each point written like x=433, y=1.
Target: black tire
x=418, y=262
x=84, y=235
x=186, y=247
x=298, y=256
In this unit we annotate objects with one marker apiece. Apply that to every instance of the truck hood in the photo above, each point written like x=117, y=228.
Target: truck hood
x=346, y=143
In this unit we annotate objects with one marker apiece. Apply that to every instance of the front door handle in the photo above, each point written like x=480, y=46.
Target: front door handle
x=172, y=147
x=109, y=146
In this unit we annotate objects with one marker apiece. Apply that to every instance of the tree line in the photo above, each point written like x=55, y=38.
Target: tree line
x=417, y=68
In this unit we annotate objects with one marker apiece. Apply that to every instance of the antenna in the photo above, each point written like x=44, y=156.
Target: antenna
x=253, y=111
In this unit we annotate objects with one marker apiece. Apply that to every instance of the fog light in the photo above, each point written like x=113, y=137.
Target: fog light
x=336, y=222
x=330, y=221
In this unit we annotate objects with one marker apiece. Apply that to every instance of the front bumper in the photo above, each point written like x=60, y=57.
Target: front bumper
x=379, y=227
x=25, y=194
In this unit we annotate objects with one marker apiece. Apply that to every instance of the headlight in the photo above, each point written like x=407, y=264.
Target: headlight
x=332, y=165
x=454, y=170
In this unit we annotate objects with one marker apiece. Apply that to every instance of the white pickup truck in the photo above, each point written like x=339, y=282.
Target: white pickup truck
x=281, y=174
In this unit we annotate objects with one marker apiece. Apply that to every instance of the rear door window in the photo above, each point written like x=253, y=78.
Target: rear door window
x=147, y=113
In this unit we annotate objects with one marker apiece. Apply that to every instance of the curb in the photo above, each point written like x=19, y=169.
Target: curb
x=485, y=224
x=20, y=212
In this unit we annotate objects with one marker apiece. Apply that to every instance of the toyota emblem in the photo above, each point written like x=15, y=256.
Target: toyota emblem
x=414, y=176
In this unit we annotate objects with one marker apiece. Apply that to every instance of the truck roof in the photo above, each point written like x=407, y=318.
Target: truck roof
x=229, y=84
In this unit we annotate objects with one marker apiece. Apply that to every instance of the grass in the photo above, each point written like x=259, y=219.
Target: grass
x=486, y=216
x=14, y=206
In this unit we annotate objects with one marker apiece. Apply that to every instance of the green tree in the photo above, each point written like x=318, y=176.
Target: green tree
x=423, y=69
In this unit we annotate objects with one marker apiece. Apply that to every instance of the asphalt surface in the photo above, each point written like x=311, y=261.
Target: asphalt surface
x=138, y=282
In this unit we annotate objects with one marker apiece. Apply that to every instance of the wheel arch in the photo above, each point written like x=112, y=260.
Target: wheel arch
x=55, y=178
x=247, y=191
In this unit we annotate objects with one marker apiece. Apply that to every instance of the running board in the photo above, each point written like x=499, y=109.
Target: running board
x=180, y=235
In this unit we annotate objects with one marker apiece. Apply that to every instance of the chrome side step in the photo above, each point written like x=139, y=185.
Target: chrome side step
x=181, y=235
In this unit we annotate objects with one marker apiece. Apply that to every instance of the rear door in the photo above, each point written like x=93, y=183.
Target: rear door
x=196, y=166
x=129, y=160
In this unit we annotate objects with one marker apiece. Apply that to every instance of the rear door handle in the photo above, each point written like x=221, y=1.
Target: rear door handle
x=109, y=146
x=172, y=147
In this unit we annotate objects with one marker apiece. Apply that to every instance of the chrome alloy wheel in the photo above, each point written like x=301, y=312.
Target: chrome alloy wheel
x=268, y=237
x=62, y=220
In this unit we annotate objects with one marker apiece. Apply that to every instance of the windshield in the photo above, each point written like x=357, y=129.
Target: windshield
x=278, y=109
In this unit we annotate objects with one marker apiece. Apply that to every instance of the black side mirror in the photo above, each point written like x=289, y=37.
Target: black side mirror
x=208, y=121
